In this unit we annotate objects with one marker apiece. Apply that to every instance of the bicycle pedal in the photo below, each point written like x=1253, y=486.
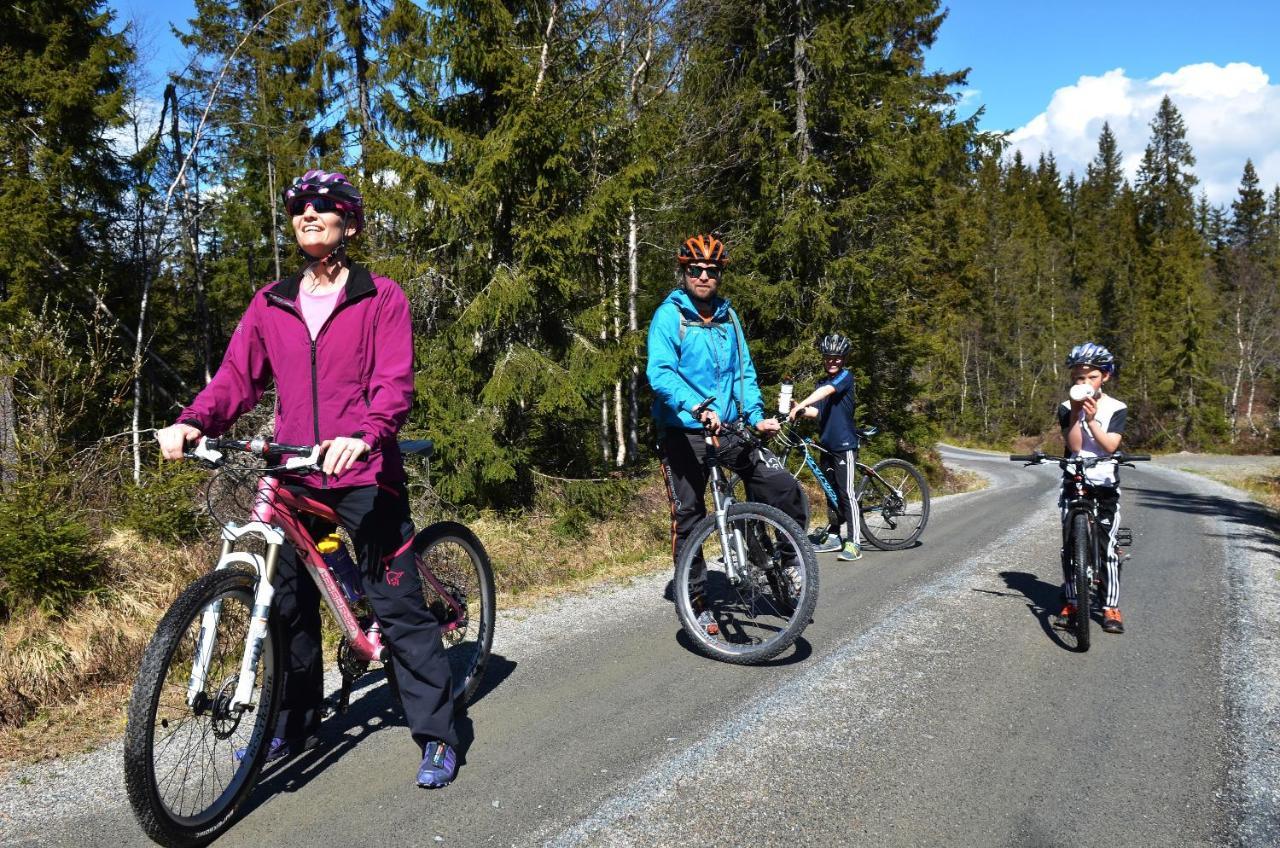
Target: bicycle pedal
x=1124, y=537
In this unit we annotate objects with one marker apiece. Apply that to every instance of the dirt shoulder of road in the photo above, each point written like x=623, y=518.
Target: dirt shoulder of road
x=1258, y=476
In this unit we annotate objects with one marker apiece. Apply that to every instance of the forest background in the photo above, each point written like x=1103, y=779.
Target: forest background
x=529, y=167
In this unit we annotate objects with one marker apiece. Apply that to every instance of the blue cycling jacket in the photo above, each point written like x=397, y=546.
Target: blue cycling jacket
x=685, y=368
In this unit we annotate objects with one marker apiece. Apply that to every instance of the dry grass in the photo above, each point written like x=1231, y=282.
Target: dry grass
x=63, y=683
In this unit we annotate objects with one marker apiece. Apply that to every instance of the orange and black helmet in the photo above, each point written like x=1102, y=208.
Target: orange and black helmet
x=702, y=248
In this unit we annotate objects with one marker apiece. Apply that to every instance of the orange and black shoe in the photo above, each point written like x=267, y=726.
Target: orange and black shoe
x=1066, y=619
x=1111, y=620
x=704, y=617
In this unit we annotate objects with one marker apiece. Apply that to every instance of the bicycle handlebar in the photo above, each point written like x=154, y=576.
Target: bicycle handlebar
x=301, y=456
x=1121, y=457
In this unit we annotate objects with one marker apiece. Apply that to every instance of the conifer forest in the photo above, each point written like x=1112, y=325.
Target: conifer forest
x=529, y=168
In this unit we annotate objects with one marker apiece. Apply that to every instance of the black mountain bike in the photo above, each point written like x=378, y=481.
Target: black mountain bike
x=749, y=566
x=1081, y=539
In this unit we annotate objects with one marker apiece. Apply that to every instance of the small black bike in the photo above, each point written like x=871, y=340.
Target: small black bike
x=1081, y=540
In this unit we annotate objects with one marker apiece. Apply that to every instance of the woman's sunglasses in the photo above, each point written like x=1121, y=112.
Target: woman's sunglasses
x=318, y=202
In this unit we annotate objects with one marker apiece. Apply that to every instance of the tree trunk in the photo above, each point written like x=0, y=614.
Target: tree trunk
x=801, y=78
x=633, y=288
x=8, y=426
x=544, y=58
x=275, y=218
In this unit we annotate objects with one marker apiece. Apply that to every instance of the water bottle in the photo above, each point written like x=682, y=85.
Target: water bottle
x=339, y=562
x=784, y=396
x=1080, y=392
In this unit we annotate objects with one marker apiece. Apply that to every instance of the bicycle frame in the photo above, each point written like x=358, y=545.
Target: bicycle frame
x=276, y=519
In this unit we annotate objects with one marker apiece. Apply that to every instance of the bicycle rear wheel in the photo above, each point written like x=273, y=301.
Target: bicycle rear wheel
x=1081, y=556
x=181, y=772
x=457, y=580
x=894, y=501
x=760, y=593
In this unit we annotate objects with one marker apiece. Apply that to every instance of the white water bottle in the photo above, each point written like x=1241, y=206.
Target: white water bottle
x=784, y=396
x=1080, y=392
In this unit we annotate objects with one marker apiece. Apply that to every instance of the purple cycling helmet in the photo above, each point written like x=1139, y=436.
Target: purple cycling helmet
x=315, y=184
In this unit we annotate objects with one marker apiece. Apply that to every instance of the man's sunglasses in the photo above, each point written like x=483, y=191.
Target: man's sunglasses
x=318, y=202
x=695, y=272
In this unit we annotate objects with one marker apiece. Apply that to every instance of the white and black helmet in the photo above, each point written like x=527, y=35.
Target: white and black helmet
x=1091, y=354
x=833, y=344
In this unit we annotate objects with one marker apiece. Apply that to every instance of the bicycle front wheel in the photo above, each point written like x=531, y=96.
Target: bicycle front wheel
x=755, y=594
x=1081, y=560
x=457, y=580
x=894, y=501
x=182, y=773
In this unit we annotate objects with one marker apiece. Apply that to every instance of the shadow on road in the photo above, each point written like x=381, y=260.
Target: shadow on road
x=375, y=711
x=1043, y=600
x=1262, y=527
x=800, y=651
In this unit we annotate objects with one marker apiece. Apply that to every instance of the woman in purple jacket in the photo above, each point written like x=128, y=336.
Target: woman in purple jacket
x=338, y=343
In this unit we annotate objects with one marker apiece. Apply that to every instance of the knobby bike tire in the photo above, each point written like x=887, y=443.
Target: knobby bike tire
x=1081, y=555
x=793, y=618
x=159, y=698
x=890, y=521
x=458, y=559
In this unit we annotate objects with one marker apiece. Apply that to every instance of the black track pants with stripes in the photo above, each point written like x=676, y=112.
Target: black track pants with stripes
x=1108, y=500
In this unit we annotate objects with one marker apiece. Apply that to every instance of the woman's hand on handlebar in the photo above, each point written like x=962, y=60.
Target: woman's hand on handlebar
x=341, y=453
x=173, y=439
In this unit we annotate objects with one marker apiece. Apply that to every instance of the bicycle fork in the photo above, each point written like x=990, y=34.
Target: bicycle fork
x=206, y=640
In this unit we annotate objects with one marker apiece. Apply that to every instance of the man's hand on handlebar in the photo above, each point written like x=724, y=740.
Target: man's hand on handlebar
x=710, y=420
x=768, y=426
x=173, y=439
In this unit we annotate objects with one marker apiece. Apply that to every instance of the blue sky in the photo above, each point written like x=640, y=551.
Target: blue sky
x=1021, y=52
x=1052, y=72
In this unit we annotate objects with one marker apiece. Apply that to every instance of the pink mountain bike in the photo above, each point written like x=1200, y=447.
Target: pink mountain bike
x=209, y=684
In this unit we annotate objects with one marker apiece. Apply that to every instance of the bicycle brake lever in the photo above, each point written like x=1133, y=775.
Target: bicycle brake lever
x=310, y=460
x=202, y=451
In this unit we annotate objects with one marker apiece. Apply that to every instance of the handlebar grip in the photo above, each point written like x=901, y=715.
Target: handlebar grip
x=702, y=407
x=1137, y=457
x=1025, y=457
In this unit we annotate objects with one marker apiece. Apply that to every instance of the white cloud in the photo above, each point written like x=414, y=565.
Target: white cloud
x=1232, y=113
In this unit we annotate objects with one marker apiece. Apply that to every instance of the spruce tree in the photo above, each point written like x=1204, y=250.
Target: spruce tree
x=62, y=74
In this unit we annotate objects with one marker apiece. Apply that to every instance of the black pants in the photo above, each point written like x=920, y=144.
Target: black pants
x=377, y=517
x=682, y=454
x=1108, y=500
x=844, y=519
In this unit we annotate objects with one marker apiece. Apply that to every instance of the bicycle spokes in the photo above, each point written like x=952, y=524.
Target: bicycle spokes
x=750, y=585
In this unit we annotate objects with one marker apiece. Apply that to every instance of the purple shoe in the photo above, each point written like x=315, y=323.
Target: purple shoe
x=278, y=750
x=439, y=765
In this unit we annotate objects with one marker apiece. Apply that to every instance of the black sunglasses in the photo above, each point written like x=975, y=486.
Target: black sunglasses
x=319, y=202
x=695, y=272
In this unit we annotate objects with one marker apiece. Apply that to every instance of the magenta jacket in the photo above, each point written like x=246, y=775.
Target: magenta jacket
x=355, y=379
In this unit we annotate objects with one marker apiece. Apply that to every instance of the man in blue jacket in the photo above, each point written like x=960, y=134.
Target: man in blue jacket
x=696, y=351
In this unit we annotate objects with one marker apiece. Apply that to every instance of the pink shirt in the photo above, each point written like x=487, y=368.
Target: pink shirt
x=316, y=308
